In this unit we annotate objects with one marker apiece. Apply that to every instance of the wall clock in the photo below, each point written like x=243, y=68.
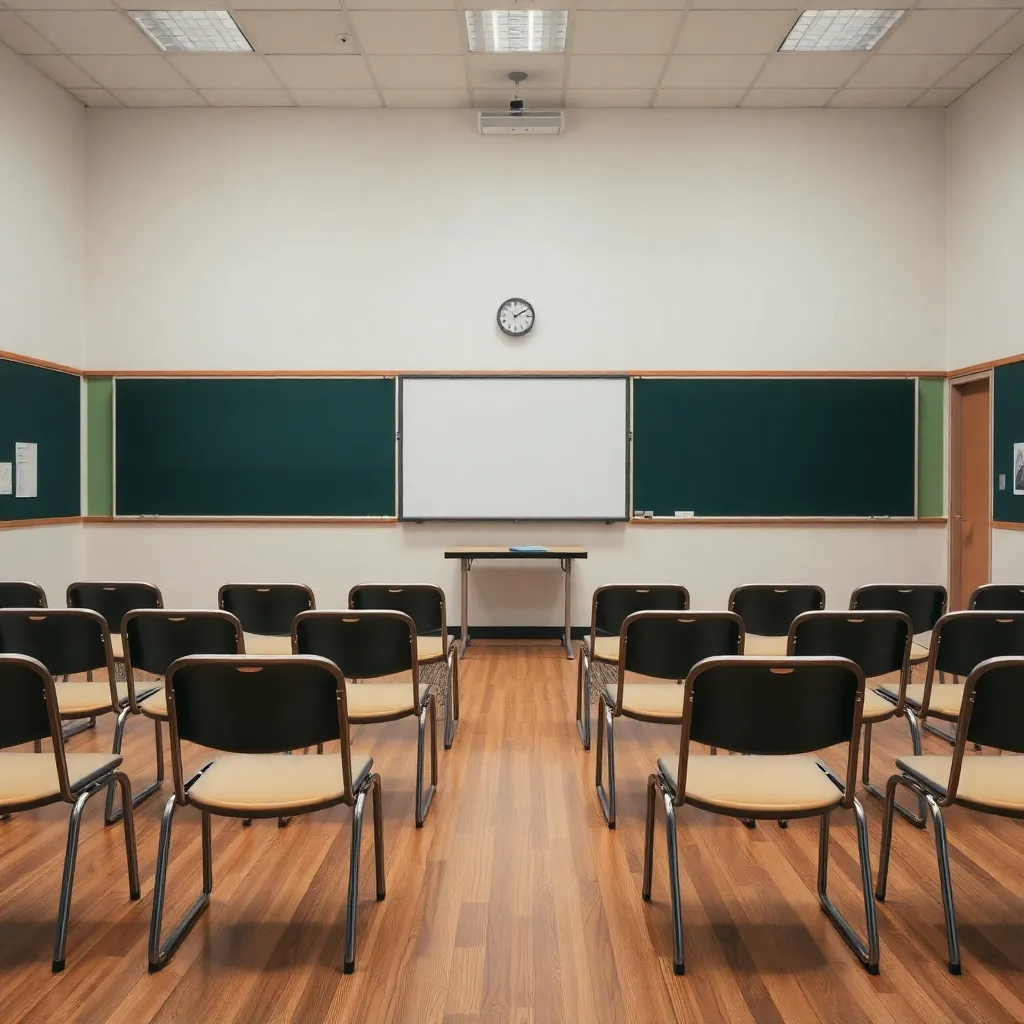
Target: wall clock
x=516, y=317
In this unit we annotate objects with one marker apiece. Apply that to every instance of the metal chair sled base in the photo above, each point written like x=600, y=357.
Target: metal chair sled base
x=161, y=952
x=110, y=815
x=424, y=799
x=866, y=951
x=583, y=696
x=451, y=703
x=918, y=819
x=941, y=852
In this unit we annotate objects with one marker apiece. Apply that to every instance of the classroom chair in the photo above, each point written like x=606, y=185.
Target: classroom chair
x=923, y=604
x=879, y=643
x=661, y=645
x=22, y=595
x=768, y=611
x=609, y=608
x=250, y=710
x=991, y=714
x=266, y=612
x=425, y=605
x=28, y=714
x=369, y=645
x=997, y=597
x=152, y=640
x=778, y=710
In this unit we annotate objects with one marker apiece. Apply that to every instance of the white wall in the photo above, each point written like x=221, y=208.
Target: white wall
x=646, y=240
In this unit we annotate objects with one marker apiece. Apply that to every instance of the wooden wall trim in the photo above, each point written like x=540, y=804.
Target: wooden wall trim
x=17, y=357
x=990, y=364
x=783, y=521
x=238, y=521
x=17, y=524
x=1007, y=526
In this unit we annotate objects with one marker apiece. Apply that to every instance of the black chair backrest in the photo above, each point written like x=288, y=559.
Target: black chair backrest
x=22, y=595
x=774, y=705
x=877, y=641
x=253, y=705
x=268, y=609
x=66, y=640
x=923, y=604
x=997, y=712
x=114, y=600
x=615, y=603
x=155, y=638
x=667, y=644
x=424, y=604
x=963, y=640
x=997, y=597
x=769, y=611
x=363, y=644
x=24, y=716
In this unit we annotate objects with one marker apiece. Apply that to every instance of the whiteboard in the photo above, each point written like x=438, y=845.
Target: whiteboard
x=514, y=447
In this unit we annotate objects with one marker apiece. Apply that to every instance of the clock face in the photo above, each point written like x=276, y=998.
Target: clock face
x=515, y=317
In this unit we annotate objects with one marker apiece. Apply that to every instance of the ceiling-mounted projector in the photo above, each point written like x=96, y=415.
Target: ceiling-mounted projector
x=517, y=120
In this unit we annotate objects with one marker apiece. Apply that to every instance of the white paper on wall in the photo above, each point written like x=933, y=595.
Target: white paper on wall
x=26, y=458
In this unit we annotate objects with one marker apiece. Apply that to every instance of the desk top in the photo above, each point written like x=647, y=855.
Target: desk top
x=498, y=551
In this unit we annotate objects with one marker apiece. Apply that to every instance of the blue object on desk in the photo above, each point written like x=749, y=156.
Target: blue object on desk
x=524, y=549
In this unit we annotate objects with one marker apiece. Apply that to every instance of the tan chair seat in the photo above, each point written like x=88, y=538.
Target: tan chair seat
x=429, y=648
x=876, y=707
x=765, y=785
x=373, y=700
x=996, y=782
x=117, y=646
x=262, y=783
x=918, y=653
x=257, y=643
x=758, y=646
x=606, y=648
x=87, y=698
x=27, y=778
x=946, y=698
x=155, y=706
x=652, y=700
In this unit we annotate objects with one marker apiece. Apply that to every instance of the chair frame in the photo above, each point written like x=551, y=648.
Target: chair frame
x=937, y=801
x=77, y=799
x=267, y=586
x=160, y=952
x=867, y=952
x=422, y=710
x=905, y=587
x=31, y=586
x=780, y=587
x=606, y=714
x=978, y=591
x=589, y=642
x=449, y=652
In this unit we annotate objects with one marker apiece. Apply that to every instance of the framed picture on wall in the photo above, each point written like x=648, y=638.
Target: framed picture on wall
x=1018, y=468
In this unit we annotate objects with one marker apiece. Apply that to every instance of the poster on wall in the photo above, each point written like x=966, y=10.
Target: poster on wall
x=1018, y=468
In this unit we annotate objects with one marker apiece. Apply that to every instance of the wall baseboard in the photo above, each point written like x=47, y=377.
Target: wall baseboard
x=519, y=632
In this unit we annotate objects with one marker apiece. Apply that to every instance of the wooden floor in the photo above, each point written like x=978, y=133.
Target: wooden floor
x=514, y=903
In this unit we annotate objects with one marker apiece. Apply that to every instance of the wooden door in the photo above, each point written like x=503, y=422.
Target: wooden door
x=970, y=490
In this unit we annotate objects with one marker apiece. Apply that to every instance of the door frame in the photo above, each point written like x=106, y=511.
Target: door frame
x=953, y=475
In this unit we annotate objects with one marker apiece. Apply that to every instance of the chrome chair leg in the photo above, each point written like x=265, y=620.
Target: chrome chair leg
x=451, y=703
x=371, y=785
x=866, y=952
x=946, y=882
x=605, y=724
x=82, y=726
x=917, y=820
x=110, y=815
x=583, y=697
x=423, y=800
x=656, y=785
x=652, y=802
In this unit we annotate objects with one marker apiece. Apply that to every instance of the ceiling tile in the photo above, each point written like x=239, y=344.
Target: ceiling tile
x=809, y=70
x=336, y=97
x=159, y=98
x=971, y=70
x=611, y=72
x=246, y=97
x=939, y=97
x=419, y=32
x=224, y=70
x=1009, y=39
x=608, y=97
x=875, y=98
x=321, y=72
x=282, y=5
x=22, y=37
x=59, y=5
x=624, y=31
x=620, y=5
x=699, y=97
x=742, y=5
x=788, y=97
x=735, y=31
x=714, y=72
x=904, y=72
x=405, y=5
x=96, y=97
x=297, y=31
x=89, y=32
x=427, y=98
x=427, y=72
x=174, y=5
x=497, y=99
x=62, y=71
x=971, y=3
x=491, y=70
x=938, y=31
x=132, y=72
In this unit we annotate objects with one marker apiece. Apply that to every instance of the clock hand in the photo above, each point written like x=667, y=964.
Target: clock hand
x=520, y=313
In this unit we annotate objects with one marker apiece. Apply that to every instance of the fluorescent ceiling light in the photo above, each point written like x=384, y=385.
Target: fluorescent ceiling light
x=520, y=31
x=839, y=31
x=192, y=31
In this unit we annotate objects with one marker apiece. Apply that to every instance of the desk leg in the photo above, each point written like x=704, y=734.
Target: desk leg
x=464, y=632
x=567, y=569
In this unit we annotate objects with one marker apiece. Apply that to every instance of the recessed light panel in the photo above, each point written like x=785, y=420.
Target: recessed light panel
x=839, y=31
x=520, y=31
x=192, y=31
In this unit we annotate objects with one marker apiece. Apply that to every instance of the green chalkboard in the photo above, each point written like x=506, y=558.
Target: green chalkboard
x=774, y=446
x=1007, y=430
x=44, y=406
x=254, y=446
